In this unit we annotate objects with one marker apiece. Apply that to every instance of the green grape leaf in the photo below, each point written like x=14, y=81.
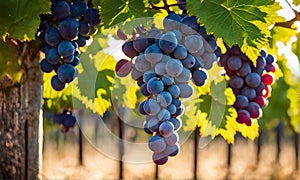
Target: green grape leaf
x=236, y=22
x=10, y=61
x=125, y=92
x=122, y=10
x=20, y=19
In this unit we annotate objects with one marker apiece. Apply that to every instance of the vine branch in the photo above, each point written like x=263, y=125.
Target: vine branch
x=165, y=6
x=289, y=24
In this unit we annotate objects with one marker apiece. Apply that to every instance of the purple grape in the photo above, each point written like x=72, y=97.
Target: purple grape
x=236, y=82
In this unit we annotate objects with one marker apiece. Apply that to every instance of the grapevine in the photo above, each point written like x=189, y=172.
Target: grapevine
x=62, y=32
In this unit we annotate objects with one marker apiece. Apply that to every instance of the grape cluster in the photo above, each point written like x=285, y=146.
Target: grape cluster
x=162, y=63
x=66, y=119
x=251, y=84
x=67, y=28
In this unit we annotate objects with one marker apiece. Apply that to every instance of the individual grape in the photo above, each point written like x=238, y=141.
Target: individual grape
x=129, y=50
x=244, y=117
x=140, y=44
x=186, y=90
x=259, y=89
x=168, y=42
x=74, y=10
x=241, y=102
x=234, y=63
x=143, y=90
x=141, y=108
x=174, y=67
x=68, y=120
x=60, y=9
x=176, y=122
x=148, y=75
x=81, y=41
x=75, y=61
x=261, y=101
x=244, y=70
x=174, y=90
x=180, y=52
x=65, y=49
x=172, y=139
x=172, y=109
x=153, y=125
x=92, y=16
x=179, y=112
x=123, y=67
x=176, y=102
x=208, y=60
x=68, y=29
x=45, y=66
x=57, y=84
x=68, y=59
x=82, y=6
x=184, y=76
x=172, y=150
x=178, y=35
x=66, y=73
x=159, y=158
x=199, y=77
x=167, y=80
x=268, y=79
x=189, y=25
x=253, y=80
x=261, y=62
x=141, y=64
x=151, y=107
x=84, y=28
x=155, y=86
x=135, y=74
x=164, y=99
x=270, y=59
x=250, y=93
x=236, y=82
x=166, y=128
x=254, y=110
x=160, y=68
x=52, y=56
x=171, y=22
x=146, y=129
x=157, y=144
x=189, y=61
x=163, y=115
x=263, y=53
x=193, y=43
x=153, y=54
x=52, y=36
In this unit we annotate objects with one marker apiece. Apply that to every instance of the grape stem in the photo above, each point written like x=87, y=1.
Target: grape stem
x=166, y=6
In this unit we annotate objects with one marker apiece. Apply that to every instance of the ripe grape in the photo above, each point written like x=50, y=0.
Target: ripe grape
x=155, y=86
x=60, y=9
x=57, y=84
x=123, y=67
x=157, y=144
x=92, y=17
x=52, y=36
x=174, y=67
x=66, y=73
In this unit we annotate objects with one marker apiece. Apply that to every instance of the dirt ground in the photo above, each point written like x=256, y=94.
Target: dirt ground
x=61, y=162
